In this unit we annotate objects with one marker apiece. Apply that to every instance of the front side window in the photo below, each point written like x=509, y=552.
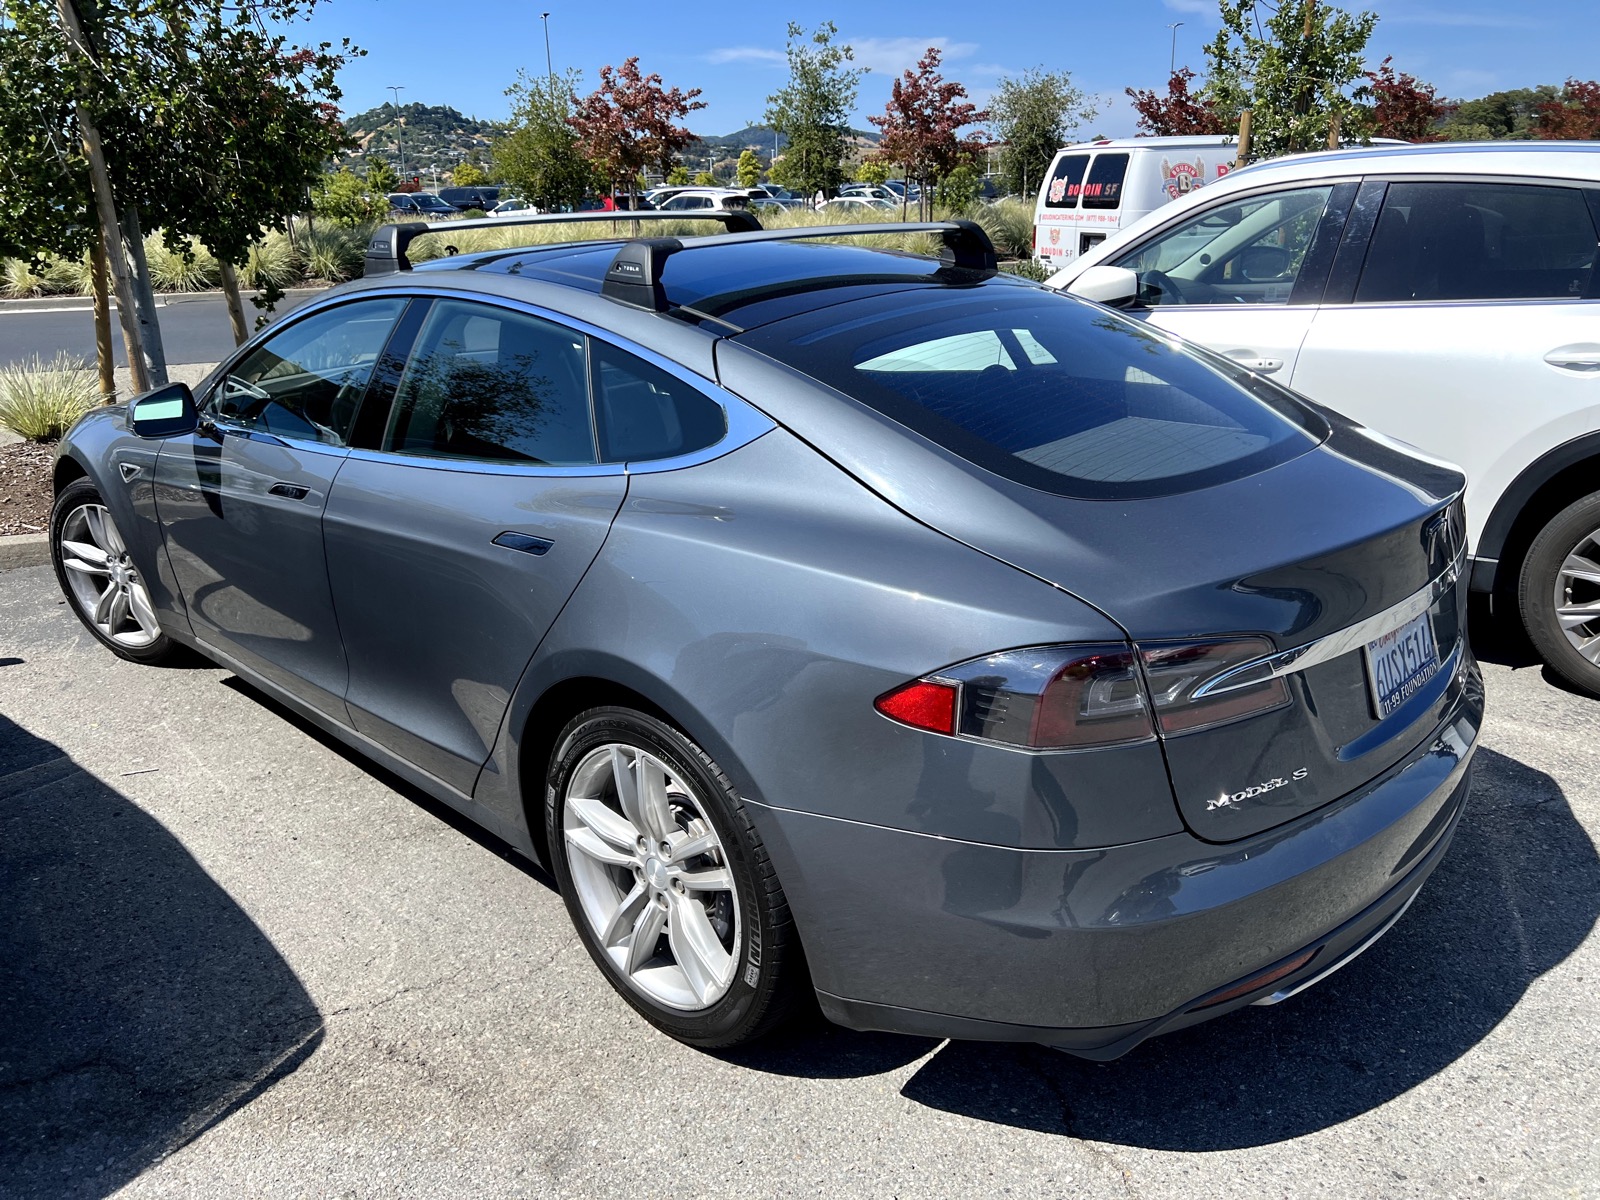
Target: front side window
x=1479, y=241
x=491, y=385
x=1046, y=390
x=1249, y=252
x=307, y=380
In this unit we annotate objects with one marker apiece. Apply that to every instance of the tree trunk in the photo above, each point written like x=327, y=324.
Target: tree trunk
x=230, y=292
x=100, y=288
x=1243, y=156
x=144, y=297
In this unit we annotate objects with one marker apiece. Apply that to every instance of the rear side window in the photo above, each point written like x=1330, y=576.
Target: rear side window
x=1472, y=241
x=492, y=385
x=646, y=414
x=1103, y=188
x=1048, y=391
x=1066, y=182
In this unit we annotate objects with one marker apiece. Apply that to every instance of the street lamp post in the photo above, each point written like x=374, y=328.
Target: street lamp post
x=400, y=129
x=549, y=66
x=1172, y=62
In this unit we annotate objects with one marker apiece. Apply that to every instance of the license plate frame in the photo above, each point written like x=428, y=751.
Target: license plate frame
x=1399, y=663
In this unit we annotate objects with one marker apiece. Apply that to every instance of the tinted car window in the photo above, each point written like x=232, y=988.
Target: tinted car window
x=1245, y=253
x=493, y=385
x=307, y=381
x=1479, y=241
x=1103, y=188
x=645, y=413
x=1047, y=391
x=1066, y=182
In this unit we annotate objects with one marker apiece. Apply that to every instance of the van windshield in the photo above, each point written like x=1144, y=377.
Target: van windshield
x=1049, y=391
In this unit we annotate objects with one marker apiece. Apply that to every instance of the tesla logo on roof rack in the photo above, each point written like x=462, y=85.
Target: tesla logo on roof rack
x=626, y=268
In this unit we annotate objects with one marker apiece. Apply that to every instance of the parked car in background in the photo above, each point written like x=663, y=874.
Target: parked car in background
x=845, y=206
x=703, y=198
x=422, y=204
x=829, y=620
x=868, y=191
x=512, y=207
x=1446, y=295
x=483, y=197
x=782, y=195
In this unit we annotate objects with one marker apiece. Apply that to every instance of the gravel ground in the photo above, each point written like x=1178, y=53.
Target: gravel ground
x=25, y=487
x=236, y=960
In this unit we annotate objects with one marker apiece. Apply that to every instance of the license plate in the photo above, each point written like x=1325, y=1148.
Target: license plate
x=1400, y=662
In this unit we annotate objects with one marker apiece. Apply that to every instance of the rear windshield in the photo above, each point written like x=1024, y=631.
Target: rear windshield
x=1049, y=391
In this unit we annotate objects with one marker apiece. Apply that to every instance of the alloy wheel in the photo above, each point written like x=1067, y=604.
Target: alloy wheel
x=103, y=581
x=651, y=877
x=1577, y=596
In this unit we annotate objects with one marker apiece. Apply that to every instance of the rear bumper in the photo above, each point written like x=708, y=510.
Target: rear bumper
x=1095, y=950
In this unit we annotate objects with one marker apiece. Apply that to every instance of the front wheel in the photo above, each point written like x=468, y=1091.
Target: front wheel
x=667, y=881
x=99, y=578
x=1558, y=593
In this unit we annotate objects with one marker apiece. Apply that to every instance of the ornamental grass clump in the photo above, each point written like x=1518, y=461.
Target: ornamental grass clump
x=331, y=253
x=41, y=399
x=190, y=268
x=19, y=280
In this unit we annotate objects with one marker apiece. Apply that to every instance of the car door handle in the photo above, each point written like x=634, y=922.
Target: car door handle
x=1584, y=357
x=289, y=491
x=525, y=542
x=1251, y=361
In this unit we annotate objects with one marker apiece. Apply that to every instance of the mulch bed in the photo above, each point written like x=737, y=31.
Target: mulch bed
x=25, y=487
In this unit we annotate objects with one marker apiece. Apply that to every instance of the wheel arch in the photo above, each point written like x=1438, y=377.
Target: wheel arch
x=67, y=470
x=1544, y=488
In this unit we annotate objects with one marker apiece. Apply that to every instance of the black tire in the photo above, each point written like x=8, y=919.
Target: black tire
x=73, y=498
x=1570, y=531
x=769, y=973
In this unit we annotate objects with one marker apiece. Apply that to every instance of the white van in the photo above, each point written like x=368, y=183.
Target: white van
x=1096, y=188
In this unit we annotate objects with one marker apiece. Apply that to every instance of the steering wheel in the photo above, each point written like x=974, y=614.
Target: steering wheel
x=1161, y=283
x=233, y=388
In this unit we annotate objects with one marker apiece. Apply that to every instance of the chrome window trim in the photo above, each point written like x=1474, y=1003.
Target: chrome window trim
x=1334, y=645
x=745, y=423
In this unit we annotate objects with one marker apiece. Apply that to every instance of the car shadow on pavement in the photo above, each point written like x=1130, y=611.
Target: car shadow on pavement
x=139, y=1005
x=1517, y=893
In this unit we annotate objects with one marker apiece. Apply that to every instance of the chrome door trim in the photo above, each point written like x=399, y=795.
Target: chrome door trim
x=1326, y=649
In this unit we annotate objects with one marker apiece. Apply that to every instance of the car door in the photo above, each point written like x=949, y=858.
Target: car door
x=1243, y=276
x=1467, y=323
x=241, y=506
x=455, y=541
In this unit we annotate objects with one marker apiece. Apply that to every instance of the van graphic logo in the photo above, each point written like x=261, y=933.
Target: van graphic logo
x=1058, y=189
x=1055, y=237
x=1181, y=178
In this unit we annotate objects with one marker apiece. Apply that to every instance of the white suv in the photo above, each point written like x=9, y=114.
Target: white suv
x=1445, y=295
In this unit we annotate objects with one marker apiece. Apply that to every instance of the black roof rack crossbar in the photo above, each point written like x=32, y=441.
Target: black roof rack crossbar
x=386, y=252
x=634, y=275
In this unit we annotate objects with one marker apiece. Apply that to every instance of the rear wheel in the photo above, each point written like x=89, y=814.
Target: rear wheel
x=1559, y=593
x=667, y=881
x=98, y=576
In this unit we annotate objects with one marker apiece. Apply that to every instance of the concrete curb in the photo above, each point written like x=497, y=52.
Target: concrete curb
x=24, y=550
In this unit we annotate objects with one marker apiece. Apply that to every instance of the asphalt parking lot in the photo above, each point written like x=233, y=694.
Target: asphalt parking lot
x=236, y=960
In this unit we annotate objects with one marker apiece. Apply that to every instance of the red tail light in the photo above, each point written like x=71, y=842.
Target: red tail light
x=1071, y=697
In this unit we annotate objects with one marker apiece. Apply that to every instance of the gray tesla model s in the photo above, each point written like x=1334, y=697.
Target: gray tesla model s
x=829, y=621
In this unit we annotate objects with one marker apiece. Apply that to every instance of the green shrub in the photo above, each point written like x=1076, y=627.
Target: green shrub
x=19, y=281
x=473, y=214
x=72, y=276
x=333, y=254
x=345, y=199
x=189, y=268
x=272, y=261
x=40, y=400
x=1009, y=224
x=1028, y=268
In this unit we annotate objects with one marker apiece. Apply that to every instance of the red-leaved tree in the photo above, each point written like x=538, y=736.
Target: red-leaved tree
x=920, y=125
x=1405, y=108
x=1177, y=112
x=630, y=122
x=1573, y=115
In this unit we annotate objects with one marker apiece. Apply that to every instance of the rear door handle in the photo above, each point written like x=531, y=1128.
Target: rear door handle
x=1251, y=361
x=289, y=491
x=1583, y=357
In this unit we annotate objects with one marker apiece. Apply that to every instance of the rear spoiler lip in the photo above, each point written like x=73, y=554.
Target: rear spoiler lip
x=386, y=251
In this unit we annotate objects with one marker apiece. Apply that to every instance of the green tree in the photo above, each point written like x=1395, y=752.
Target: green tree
x=705, y=179
x=381, y=176
x=344, y=198
x=468, y=174
x=958, y=190
x=1297, y=68
x=191, y=116
x=540, y=159
x=1033, y=115
x=812, y=110
x=1511, y=115
x=749, y=169
x=678, y=176
x=874, y=171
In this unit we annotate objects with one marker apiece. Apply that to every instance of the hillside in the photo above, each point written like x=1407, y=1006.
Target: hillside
x=436, y=137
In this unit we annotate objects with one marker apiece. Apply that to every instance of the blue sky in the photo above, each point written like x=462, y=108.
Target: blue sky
x=465, y=54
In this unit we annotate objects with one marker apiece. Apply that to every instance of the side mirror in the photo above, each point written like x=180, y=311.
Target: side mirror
x=165, y=412
x=1109, y=285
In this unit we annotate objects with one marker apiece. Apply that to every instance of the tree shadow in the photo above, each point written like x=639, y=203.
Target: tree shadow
x=140, y=1004
x=1517, y=893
